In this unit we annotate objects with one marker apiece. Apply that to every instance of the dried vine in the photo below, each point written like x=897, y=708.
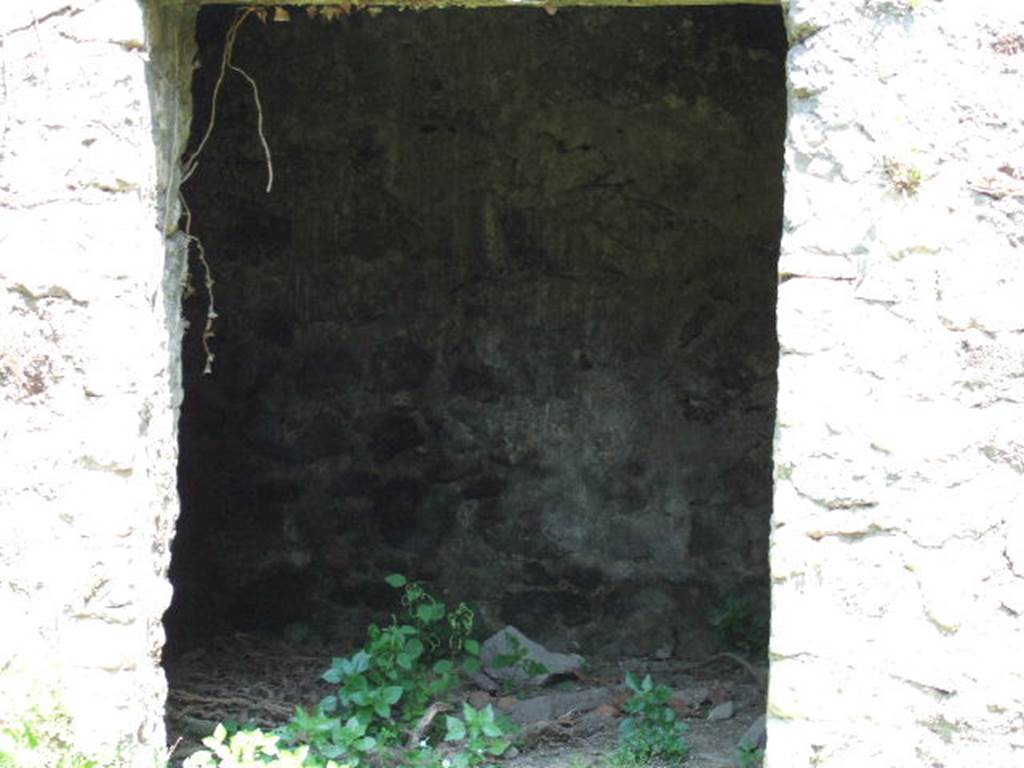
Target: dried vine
x=190, y=165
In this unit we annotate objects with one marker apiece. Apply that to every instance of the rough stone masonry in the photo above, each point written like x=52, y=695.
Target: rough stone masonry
x=898, y=544
x=508, y=329
x=898, y=584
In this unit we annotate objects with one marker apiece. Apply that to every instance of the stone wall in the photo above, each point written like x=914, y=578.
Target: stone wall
x=504, y=322
x=89, y=350
x=898, y=549
x=898, y=542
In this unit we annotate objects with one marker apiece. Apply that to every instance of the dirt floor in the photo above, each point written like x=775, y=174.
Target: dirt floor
x=249, y=679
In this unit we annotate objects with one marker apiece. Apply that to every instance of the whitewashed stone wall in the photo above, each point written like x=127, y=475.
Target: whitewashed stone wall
x=898, y=543
x=88, y=378
x=898, y=538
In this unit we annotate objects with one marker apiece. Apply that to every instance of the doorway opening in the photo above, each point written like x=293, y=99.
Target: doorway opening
x=504, y=324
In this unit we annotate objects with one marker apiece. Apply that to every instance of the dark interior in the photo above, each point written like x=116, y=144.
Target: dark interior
x=505, y=323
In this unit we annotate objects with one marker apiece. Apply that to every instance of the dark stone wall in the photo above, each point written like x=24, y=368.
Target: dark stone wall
x=505, y=323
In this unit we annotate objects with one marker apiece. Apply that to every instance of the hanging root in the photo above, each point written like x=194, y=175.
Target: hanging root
x=192, y=162
x=190, y=165
x=259, y=124
x=211, y=310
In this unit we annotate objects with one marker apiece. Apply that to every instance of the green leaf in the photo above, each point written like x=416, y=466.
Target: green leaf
x=428, y=613
x=332, y=750
x=397, y=580
x=329, y=703
x=404, y=660
x=499, y=747
x=456, y=729
x=471, y=665
x=359, y=663
x=365, y=744
x=334, y=674
x=392, y=694
x=382, y=710
x=414, y=647
x=632, y=682
x=443, y=667
x=472, y=647
x=492, y=730
x=354, y=727
x=648, y=684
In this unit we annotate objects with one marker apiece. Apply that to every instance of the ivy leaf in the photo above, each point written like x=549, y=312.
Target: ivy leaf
x=396, y=580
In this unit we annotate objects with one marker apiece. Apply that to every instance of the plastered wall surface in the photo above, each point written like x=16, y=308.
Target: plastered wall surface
x=87, y=372
x=898, y=543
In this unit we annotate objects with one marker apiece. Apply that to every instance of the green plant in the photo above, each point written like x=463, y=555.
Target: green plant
x=898, y=7
x=518, y=657
x=327, y=737
x=450, y=635
x=905, y=178
x=651, y=730
x=749, y=756
x=480, y=733
x=738, y=624
x=247, y=749
x=404, y=666
x=388, y=694
x=40, y=740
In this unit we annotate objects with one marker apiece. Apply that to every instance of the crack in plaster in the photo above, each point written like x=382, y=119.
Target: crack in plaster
x=1012, y=566
x=834, y=503
x=53, y=292
x=91, y=463
x=849, y=537
x=66, y=10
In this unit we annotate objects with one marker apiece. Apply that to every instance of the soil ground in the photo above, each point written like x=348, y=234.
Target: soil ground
x=249, y=679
